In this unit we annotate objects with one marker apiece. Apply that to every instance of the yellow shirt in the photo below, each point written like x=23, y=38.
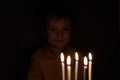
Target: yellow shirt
x=47, y=66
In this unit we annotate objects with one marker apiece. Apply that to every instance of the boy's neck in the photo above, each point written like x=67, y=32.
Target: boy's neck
x=56, y=50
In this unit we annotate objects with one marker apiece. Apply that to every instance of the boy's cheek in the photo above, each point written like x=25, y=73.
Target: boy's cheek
x=50, y=33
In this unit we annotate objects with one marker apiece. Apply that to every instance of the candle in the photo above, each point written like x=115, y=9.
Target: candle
x=63, y=66
x=68, y=68
x=90, y=66
x=85, y=68
x=76, y=65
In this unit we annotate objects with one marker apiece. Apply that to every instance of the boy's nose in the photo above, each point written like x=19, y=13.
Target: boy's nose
x=59, y=34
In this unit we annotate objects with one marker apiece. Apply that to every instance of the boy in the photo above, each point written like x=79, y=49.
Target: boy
x=45, y=63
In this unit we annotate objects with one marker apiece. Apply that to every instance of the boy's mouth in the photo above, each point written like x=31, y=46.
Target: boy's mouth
x=59, y=40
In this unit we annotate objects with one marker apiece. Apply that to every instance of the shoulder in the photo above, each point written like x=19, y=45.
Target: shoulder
x=39, y=54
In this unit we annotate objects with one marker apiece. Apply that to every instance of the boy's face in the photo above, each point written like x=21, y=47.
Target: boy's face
x=58, y=32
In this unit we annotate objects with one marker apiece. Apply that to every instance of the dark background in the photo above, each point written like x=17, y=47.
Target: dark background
x=96, y=31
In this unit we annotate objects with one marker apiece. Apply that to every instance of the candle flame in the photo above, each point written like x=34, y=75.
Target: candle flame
x=76, y=56
x=68, y=60
x=90, y=56
x=85, y=61
x=62, y=57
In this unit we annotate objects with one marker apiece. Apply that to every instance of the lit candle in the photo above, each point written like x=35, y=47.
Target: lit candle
x=85, y=68
x=76, y=65
x=63, y=66
x=90, y=66
x=68, y=68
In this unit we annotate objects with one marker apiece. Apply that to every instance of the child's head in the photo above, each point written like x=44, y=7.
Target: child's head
x=57, y=29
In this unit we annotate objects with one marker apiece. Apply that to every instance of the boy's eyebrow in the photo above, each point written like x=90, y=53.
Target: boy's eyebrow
x=63, y=27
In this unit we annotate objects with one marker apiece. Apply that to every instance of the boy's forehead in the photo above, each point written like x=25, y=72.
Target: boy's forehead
x=54, y=19
x=56, y=22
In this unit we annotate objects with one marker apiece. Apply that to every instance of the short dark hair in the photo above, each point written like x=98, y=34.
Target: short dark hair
x=58, y=13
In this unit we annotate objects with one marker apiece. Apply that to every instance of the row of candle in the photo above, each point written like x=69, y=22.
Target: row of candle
x=86, y=65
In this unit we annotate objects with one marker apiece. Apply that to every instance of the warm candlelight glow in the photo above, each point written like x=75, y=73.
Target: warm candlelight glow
x=90, y=56
x=90, y=67
x=63, y=66
x=85, y=68
x=68, y=60
x=76, y=65
x=68, y=68
x=76, y=56
x=85, y=60
x=62, y=57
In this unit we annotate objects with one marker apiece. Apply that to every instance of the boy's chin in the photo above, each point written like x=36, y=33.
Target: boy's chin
x=60, y=47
